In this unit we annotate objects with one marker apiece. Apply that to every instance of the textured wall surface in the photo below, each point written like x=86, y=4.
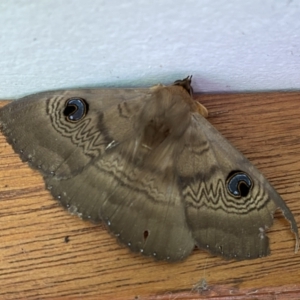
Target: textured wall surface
x=226, y=45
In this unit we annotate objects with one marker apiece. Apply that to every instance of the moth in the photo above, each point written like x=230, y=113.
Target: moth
x=148, y=164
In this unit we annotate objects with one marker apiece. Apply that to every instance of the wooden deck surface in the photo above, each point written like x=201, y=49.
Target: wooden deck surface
x=45, y=253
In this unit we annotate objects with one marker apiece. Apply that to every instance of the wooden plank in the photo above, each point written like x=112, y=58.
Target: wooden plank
x=36, y=262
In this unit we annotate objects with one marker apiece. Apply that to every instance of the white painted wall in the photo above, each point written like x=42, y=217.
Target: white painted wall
x=227, y=45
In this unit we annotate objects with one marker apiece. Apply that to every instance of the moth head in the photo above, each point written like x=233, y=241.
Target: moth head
x=75, y=109
x=239, y=184
x=186, y=83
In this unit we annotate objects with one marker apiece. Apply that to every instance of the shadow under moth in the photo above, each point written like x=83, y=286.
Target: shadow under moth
x=149, y=165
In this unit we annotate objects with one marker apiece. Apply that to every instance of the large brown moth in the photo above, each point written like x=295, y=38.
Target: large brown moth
x=150, y=166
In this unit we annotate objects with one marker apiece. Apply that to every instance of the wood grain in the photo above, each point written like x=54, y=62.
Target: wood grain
x=38, y=262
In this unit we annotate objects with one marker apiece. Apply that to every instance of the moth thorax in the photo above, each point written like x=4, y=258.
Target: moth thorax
x=155, y=132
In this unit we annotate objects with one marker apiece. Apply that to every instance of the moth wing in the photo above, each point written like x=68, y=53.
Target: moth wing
x=142, y=209
x=39, y=132
x=95, y=166
x=210, y=171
